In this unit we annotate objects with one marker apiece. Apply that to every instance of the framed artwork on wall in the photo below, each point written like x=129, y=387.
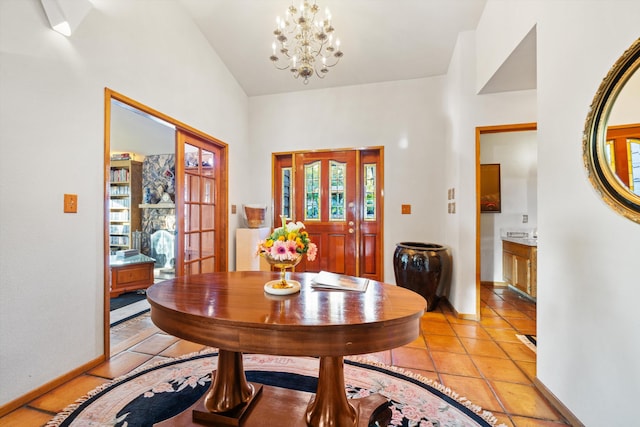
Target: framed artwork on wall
x=490, y=197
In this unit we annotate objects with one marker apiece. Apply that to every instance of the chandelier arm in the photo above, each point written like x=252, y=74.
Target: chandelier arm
x=332, y=65
x=318, y=52
x=281, y=68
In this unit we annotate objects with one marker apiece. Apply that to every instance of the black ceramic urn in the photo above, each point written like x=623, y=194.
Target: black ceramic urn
x=424, y=268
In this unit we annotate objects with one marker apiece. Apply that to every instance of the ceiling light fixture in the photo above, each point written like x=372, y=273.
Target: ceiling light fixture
x=56, y=16
x=66, y=15
x=306, y=43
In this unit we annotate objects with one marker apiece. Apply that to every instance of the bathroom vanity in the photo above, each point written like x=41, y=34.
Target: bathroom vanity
x=519, y=263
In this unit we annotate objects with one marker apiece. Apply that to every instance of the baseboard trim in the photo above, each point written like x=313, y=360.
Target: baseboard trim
x=45, y=388
x=560, y=407
x=463, y=316
x=495, y=284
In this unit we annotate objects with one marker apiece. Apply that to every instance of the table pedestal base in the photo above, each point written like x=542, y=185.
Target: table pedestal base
x=232, y=401
x=279, y=406
x=233, y=417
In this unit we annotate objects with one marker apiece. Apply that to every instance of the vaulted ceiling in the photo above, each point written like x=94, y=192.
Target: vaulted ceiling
x=382, y=40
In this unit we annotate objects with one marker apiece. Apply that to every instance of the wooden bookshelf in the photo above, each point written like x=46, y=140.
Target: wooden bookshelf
x=125, y=196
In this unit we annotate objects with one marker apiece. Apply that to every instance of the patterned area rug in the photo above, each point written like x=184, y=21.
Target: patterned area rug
x=153, y=394
x=530, y=341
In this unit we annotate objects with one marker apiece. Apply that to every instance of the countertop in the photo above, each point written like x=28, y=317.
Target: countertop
x=135, y=259
x=522, y=241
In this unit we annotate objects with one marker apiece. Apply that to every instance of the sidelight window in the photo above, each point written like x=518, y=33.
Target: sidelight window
x=337, y=186
x=370, y=192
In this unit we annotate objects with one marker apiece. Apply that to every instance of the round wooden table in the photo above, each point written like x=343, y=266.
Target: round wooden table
x=232, y=312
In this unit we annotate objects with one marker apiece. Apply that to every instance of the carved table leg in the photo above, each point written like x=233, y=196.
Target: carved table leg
x=230, y=388
x=230, y=394
x=330, y=407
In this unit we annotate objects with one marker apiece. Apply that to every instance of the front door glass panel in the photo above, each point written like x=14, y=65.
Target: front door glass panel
x=312, y=191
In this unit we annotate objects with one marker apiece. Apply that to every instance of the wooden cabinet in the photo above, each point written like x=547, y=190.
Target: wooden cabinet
x=125, y=194
x=130, y=274
x=519, y=266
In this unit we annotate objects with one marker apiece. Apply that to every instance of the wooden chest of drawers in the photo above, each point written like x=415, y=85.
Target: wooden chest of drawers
x=130, y=274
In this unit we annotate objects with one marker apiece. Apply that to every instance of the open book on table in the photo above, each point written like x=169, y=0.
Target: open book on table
x=327, y=280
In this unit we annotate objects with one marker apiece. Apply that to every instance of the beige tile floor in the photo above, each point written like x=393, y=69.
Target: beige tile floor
x=482, y=361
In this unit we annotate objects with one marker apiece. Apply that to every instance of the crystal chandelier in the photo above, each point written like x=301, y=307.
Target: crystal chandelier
x=305, y=43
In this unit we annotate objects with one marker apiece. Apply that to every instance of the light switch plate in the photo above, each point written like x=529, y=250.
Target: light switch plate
x=70, y=203
x=406, y=209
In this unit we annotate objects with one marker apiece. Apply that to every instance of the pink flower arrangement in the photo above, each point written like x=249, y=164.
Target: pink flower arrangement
x=288, y=242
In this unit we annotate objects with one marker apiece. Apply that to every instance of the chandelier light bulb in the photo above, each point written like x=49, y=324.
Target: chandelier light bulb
x=304, y=42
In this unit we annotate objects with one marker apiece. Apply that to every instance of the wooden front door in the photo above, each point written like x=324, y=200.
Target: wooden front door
x=338, y=196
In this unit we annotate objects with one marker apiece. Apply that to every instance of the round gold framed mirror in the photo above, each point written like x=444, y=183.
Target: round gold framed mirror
x=611, y=143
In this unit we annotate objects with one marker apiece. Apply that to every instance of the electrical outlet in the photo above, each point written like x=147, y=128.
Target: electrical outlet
x=233, y=209
x=525, y=219
x=70, y=203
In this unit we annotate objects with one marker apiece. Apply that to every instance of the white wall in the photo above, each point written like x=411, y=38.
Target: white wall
x=517, y=154
x=51, y=143
x=587, y=272
x=494, y=43
x=404, y=117
x=588, y=290
x=465, y=111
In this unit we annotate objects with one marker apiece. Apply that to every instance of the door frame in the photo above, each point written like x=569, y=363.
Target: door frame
x=482, y=130
x=223, y=245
